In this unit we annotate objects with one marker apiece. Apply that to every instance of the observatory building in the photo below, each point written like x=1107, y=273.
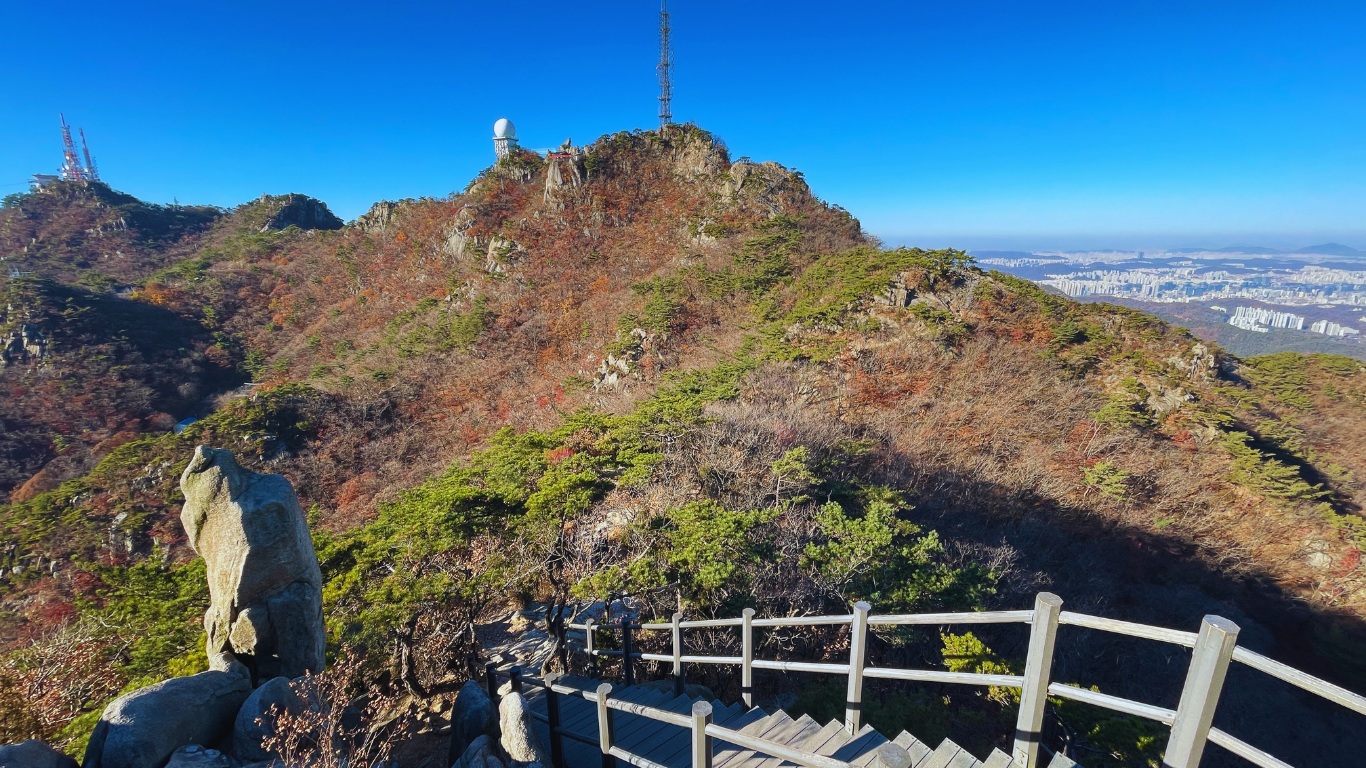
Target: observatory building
x=504, y=137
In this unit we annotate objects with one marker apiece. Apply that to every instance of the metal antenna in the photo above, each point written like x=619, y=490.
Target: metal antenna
x=71, y=165
x=91, y=171
x=666, y=65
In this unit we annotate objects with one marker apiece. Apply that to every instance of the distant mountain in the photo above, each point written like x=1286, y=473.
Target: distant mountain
x=1256, y=250
x=1332, y=249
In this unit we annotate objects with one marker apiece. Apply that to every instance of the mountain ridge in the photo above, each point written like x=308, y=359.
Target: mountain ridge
x=607, y=369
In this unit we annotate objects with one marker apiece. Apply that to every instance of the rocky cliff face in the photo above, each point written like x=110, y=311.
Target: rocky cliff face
x=299, y=211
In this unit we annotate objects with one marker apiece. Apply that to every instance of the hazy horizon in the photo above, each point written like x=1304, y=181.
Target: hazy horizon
x=1087, y=241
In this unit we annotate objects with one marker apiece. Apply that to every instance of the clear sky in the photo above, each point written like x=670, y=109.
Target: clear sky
x=1065, y=123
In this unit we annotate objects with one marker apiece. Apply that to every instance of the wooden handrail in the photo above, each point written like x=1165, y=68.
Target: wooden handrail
x=1214, y=647
x=1301, y=680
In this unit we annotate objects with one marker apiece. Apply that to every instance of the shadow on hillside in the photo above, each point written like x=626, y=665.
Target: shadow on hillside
x=1106, y=569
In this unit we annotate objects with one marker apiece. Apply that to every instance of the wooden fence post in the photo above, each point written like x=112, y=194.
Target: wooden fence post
x=747, y=657
x=514, y=681
x=589, y=634
x=677, y=632
x=1043, y=632
x=1204, y=682
x=858, y=652
x=562, y=640
x=605, y=733
x=627, y=652
x=701, y=742
x=552, y=716
x=491, y=680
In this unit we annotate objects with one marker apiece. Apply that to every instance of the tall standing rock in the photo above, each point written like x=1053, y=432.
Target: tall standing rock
x=265, y=587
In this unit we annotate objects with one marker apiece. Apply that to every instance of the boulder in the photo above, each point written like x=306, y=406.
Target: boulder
x=519, y=739
x=471, y=718
x=255, y=722
x=33, y=754
x=144, y=728
x=196, y=756
x=481, y=753
x=265, y=587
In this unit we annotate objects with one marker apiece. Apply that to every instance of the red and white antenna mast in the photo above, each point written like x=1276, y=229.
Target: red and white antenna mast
x=71, y=164
x=666, y=66
x=91, y=172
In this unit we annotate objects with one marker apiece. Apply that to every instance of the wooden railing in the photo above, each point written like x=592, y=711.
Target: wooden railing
x=1214, y=647
x=699, y=722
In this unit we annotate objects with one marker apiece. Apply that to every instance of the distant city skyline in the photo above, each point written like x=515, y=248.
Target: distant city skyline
x=1124, y=241
x=979, y=125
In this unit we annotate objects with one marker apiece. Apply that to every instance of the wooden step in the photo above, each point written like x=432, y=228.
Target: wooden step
x=671, y=746
x=759, y=729
x=820, y=741
x=997, y=759
x=801, y=729
x=1060, y=761
x=861, y=747
x=917, y=749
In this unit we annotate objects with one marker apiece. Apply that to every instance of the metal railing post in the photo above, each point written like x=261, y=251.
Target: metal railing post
x=701, y=742
x=491, y=681
x=628, y=675
x=747, y=657
x=1043, y=632
x=562, y=640
x=858, y=652
x=589, y=633
x=552, y=716
x=1204, y=682
x=677, y=632
x=605, y=733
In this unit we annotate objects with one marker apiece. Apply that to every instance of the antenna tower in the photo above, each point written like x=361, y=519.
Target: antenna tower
x=91, y=172
x=666, y=66
x=71, y=164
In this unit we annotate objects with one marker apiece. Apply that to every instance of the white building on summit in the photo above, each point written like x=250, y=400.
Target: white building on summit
x=504, y=137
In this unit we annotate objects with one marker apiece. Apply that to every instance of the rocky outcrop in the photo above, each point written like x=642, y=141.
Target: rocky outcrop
x=265, y=587
x=24, y=345
x=502, y=254
x=519, y=740
x=481, y=753
x=144, y=728
x=256, y=719
x=33, y=754
x=565, y=168
x=299, y=211
x=769, y=187
x=471, y=718
x=376, y=220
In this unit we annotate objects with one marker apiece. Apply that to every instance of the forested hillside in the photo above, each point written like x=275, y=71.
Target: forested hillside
x=654, y=371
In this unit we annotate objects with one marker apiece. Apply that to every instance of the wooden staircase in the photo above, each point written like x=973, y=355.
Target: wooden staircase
x=648, y=727
x=667, y=744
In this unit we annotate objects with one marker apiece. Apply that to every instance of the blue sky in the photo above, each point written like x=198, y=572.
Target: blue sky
x=976, y=124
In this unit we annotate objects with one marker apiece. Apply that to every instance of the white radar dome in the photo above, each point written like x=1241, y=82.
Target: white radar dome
x=504, y=129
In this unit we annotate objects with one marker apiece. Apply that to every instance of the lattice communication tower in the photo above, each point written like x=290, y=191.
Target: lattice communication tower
x=72, y=170
x=666, y=66
x=92, y=171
